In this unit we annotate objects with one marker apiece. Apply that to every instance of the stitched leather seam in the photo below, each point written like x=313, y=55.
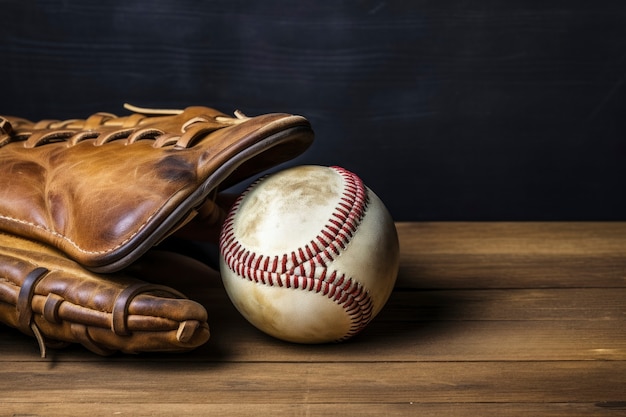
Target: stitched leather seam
x=71, y=242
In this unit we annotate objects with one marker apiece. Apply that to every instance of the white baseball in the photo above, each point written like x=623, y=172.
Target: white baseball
x=309, y=254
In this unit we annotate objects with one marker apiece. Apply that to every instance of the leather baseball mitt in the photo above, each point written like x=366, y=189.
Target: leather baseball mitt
x=83, y=201
x=105, y=189
x=48, y=296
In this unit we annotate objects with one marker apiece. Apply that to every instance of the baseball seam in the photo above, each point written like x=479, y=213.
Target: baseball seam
x=305, y=268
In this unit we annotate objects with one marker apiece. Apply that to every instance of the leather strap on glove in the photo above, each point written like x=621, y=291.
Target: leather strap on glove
x=46, y=295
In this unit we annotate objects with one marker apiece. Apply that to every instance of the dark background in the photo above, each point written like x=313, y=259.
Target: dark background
x=448, y=110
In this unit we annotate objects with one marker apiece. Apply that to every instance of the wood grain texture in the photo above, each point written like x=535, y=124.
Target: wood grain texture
x=512, y=255
x=312, y=409
x=505, y=319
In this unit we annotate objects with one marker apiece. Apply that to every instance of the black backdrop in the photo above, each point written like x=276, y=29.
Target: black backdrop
x=448, y=109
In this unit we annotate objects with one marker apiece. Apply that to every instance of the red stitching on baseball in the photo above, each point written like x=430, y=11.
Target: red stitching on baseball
x=298, y=269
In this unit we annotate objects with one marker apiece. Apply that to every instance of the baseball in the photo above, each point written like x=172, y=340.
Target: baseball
x=309, y=254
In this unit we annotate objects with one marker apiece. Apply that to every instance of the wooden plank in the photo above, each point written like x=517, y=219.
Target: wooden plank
x=322, y=382
x=531, y=238
x=512, y=255
x=508, y=304
x=567, y=324
x=435, y=271
x=383, y=342
x=530, y=334
x=187, y=409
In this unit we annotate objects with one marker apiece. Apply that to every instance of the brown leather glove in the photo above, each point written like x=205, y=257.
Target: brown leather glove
x=45, y=294
x=81, y=198
x=106, y=189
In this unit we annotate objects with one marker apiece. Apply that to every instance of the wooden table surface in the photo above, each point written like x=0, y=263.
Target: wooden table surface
x=492, y=319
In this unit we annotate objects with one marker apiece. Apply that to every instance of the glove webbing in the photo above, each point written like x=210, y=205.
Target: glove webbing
x=187, y=126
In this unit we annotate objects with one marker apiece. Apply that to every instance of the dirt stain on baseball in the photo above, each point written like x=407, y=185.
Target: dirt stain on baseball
x=295, y=203
x=312, y=186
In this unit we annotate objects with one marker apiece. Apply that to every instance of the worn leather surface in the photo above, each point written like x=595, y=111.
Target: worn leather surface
x=44, y=294
x=105, y=189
